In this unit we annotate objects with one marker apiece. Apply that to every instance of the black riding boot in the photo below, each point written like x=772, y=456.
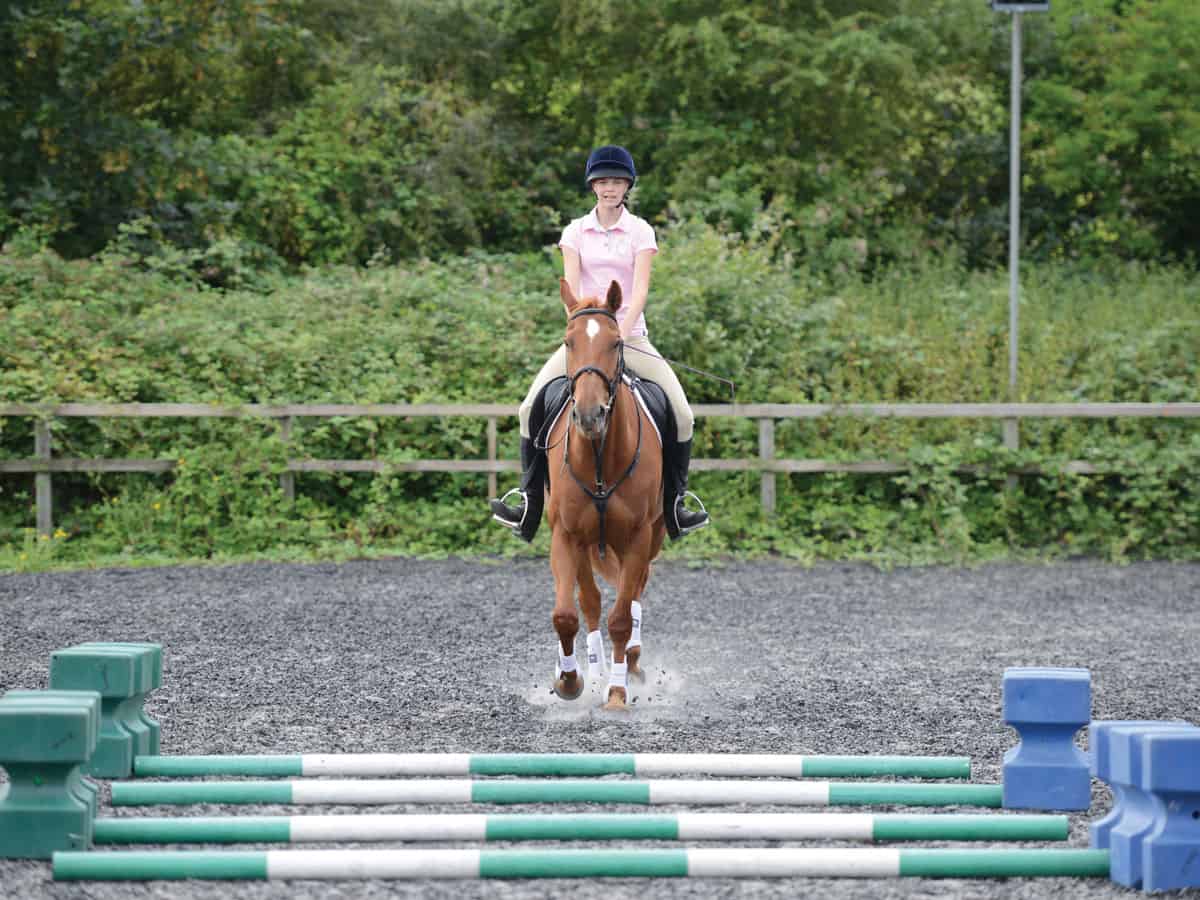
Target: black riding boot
x=525, y=518
x=680, y=519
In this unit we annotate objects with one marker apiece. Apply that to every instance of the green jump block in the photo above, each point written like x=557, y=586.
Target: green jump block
x=123, y=674
x=154, y=659
x=31, y=749
x=47, y=805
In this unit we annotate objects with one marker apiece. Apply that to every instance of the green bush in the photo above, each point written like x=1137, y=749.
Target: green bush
x=136, y=328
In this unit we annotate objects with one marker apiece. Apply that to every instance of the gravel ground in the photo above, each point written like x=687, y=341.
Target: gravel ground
x=405, y=655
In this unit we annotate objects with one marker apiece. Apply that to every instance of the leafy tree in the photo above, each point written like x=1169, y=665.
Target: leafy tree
x=1116, y=130
x=858, y=132
x=105, y=100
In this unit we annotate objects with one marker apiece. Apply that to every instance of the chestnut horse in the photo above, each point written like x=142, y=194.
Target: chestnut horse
x=605, y=498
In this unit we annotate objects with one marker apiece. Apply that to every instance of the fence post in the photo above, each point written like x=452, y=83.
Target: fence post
x=42, y=485
x=287, y=481
x=1012, y=440
x=766, y=453
x=491, y=447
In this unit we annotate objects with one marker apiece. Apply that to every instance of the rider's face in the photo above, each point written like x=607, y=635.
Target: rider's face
x=610, y=191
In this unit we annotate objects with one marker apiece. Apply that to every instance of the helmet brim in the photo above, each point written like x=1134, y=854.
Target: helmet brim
x=609, y=172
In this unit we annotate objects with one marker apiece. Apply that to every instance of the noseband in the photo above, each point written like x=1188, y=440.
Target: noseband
x=602, y=493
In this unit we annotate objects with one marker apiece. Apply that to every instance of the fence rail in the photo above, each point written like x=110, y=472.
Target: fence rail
x=43, y=464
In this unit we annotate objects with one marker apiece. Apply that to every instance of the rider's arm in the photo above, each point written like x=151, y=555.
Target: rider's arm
x=571, y=268
x=641, y=287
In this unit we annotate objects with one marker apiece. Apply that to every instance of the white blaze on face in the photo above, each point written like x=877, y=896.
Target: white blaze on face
x=593, y=329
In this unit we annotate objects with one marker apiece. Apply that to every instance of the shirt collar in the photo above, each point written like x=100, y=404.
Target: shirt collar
x=592, y=223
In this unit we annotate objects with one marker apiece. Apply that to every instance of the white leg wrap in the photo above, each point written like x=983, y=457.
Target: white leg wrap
x=616, y=675
x=635, y=639
x=595, y=654
x=566, y=663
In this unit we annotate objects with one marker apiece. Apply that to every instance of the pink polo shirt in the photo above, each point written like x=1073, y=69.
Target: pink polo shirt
x=606, y=256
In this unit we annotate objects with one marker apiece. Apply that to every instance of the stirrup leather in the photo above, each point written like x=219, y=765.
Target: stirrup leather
x=703, y=511
x=516, y=527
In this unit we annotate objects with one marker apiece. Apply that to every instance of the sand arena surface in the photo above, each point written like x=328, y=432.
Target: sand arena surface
x=456, y=656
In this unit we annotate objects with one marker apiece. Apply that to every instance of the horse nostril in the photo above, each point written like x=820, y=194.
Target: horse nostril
x=590, y=419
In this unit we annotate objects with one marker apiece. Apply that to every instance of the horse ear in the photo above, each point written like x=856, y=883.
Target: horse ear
x=614, y=297
x=569, y=300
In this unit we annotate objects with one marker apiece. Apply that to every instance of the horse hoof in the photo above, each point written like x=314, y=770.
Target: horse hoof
x=616, y=700
x=635, y=671
x=569, y=686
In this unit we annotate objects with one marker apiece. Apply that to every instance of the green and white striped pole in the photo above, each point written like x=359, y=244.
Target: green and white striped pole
x=581, y=827
x=704, y=863
x=646, y=765
x=377, y=792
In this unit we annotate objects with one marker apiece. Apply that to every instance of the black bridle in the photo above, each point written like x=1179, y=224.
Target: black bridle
x=611, y=383
x=602, y=493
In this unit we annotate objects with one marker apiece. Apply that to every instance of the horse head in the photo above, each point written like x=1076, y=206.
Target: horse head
x=595, y=358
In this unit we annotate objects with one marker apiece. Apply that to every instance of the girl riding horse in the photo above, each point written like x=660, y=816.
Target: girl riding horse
x=609, y=244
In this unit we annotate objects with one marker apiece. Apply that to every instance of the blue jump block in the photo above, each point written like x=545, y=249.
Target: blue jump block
x=1046, y=770
x=1136, y=815
x=1169, y=775
x=1100, y=751
x=1142, y=814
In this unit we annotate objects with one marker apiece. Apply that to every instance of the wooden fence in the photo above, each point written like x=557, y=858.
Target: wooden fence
x=43, y=463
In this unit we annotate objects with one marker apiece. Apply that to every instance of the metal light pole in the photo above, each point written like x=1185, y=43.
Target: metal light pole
x=1011, y=436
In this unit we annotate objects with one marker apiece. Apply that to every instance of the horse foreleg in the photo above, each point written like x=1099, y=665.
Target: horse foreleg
x=589, y=602
x=568, y=683
x=633, y=649
x=634, y=561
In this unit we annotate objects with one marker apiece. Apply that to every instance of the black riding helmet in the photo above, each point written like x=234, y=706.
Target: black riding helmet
x=610, y=161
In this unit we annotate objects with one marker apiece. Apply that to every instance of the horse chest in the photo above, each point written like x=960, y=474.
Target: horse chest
x=584, y=520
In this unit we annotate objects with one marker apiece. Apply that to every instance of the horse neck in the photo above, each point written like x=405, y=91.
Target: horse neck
x=619, y=446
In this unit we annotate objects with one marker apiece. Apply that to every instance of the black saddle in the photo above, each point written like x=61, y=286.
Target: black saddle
x=553, y=397
x=660, y=409
x=550, y=401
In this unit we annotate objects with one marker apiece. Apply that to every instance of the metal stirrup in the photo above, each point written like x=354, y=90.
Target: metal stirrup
x=524, y=509
x=697, y=526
